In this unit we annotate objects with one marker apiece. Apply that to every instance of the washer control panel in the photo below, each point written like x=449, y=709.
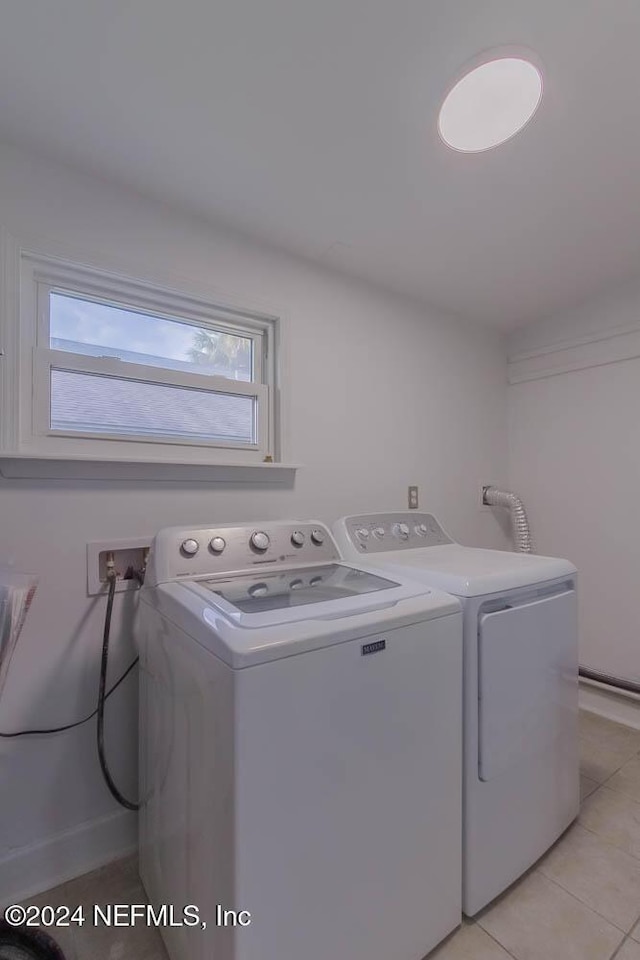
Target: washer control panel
x=178, y=552
x=380, y=532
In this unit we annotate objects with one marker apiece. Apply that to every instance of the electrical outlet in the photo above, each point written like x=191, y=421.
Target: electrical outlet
x=413, y=498
x=127, y=554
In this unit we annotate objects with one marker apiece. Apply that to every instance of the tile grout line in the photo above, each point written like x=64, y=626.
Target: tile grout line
x=617, y=950
x=537, y=870
x=501, y=945
x=624, y=933
x=579, y=822
x=607, y=842
x=629, y=937
x=595, y=832
x=612, y=775
x=601, y=783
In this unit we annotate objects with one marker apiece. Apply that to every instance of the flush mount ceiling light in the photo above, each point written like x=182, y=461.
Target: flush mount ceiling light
x=490, y=104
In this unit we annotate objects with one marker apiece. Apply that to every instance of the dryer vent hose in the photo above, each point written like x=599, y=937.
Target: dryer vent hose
x=519, y=522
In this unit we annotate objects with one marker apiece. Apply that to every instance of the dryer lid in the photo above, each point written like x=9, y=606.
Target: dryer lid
x=472, y=571
x=416, y=546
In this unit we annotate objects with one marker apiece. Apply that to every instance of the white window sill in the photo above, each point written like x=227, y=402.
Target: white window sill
x=24, y=466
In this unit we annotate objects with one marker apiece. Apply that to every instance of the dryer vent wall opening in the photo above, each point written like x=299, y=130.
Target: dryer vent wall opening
x=519, y=522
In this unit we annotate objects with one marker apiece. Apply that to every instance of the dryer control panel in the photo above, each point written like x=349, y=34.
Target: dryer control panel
x=380, y=532
x=190, y=552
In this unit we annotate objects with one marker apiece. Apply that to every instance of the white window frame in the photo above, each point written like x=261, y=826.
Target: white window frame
x=30, y=428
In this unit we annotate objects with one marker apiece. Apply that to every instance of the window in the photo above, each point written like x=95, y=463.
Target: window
x=168, y=391
x=118, y=369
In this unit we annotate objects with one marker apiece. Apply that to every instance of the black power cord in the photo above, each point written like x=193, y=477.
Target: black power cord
x=103, y=695
x=78, y=723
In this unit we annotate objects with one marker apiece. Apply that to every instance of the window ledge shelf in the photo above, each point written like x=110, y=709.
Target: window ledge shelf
x=26, y=466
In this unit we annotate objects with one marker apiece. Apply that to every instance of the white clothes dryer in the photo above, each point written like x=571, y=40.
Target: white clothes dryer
x=300, y=748
x=521, y=767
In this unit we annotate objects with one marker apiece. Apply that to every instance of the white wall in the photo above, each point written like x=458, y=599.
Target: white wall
x=379, y=394
x=574, y=452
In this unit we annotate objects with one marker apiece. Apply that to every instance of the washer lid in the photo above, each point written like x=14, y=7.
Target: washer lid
x=282, y=589
x=244, y=630
x=472, y=571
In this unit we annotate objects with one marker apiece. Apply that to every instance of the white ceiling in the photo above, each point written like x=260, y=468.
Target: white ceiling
x=312, y=124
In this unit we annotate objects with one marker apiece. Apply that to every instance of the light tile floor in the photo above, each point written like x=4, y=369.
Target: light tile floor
x=580, y=902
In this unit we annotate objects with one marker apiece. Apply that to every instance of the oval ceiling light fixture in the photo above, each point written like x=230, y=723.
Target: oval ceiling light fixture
x=490, y=104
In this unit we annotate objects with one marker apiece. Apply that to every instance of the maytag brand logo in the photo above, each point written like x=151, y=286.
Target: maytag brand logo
x=374, y=647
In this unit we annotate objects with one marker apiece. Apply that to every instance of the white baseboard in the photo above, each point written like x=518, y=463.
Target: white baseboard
x=608, y=702
x=40, y=866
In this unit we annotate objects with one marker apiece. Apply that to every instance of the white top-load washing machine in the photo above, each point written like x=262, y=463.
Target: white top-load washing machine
x=521, y=768
x=300, y=748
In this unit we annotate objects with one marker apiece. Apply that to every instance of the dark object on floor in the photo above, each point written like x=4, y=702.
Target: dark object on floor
x=20, y=943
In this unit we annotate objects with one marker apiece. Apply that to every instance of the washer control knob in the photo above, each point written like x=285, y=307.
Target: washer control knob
x=190, y=547
x=362, y=533
x=422, y=529
x=218, y=544
x=260, y=540
x=379, y=533
x=401, y=530
x=297, y=538
x=317, y=536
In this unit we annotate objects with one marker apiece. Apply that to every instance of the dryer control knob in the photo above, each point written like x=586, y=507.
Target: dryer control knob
x=260, y=540
x=297, y=538
x=190, y=547
x=317, y=536
x=362, y=533
x=218, y=544
x=379, y=533
x=401, y=530
x=422, y=530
